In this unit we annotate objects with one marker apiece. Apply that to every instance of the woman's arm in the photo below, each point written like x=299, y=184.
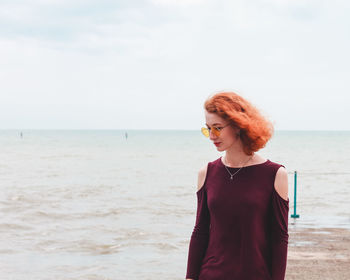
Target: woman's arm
x=280, y=206
x=200, y=235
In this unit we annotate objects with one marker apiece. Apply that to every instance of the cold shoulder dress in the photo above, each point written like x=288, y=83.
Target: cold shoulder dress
x=241, y=228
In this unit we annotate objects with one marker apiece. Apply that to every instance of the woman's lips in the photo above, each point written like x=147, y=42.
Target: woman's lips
x=217, y=143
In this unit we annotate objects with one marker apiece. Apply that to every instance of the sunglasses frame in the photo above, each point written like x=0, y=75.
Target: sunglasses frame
x=206, y=130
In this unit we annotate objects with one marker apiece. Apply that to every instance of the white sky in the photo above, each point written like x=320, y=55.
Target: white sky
x=83, y=64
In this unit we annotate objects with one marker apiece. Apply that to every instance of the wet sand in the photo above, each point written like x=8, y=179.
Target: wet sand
x=322, y=253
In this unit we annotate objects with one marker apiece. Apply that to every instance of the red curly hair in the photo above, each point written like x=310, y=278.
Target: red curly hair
x=255, y=129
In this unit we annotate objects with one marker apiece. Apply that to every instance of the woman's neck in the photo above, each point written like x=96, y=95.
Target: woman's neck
x=237, y=158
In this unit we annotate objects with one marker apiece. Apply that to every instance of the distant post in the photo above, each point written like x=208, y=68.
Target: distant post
x=295, y=197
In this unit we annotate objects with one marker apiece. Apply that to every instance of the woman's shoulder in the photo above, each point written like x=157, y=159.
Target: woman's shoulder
x=203, y=171
x=280, y=180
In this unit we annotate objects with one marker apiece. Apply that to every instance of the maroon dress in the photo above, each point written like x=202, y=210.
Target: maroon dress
x=241, y=230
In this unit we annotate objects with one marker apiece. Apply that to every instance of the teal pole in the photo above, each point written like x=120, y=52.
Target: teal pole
x=295, y=197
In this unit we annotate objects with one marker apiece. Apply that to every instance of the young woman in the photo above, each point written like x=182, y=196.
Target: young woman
x=241, y=229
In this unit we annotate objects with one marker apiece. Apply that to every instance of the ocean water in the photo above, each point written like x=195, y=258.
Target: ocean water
x=95, y=205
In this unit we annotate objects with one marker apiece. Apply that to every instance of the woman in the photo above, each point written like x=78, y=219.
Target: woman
x=241, y=230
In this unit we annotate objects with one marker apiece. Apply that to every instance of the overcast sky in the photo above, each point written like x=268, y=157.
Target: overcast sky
x=151, y=64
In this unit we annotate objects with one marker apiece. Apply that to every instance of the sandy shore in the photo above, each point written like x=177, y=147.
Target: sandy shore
x=322, y=253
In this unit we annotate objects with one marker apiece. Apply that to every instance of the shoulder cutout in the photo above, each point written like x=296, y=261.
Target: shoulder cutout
x=281, y=183
x=201, y=177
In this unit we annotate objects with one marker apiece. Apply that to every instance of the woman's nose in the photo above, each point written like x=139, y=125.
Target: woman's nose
x=212, y=135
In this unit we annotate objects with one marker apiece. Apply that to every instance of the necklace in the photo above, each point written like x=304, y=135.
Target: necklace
x=231, y=175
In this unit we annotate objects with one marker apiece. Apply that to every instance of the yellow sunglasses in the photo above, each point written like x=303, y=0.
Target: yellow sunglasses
x=216, y=130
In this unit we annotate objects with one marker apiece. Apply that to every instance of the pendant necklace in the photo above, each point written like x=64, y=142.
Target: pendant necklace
x=231, y=175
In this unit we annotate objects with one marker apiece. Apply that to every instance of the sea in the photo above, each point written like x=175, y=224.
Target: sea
x=121, y=204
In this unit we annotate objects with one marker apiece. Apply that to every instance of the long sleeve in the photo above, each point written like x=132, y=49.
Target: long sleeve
x=280, y=208
x=200, y=236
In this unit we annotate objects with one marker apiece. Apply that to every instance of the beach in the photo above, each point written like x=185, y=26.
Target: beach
x=318, y=253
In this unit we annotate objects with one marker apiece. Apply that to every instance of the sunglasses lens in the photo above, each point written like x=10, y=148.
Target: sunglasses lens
x=205, y=131
x=216, y=132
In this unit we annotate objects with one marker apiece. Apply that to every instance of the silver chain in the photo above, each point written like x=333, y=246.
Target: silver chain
x=238, y=169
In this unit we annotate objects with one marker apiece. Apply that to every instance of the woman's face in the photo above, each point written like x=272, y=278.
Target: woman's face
x=228, y=134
